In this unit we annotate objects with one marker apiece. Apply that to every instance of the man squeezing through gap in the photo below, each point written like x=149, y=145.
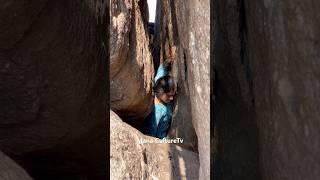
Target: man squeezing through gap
x=158, y=122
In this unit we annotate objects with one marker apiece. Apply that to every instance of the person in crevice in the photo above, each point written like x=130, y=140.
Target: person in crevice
x=159, y=120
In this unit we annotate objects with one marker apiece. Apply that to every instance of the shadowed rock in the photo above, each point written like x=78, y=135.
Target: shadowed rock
x=131, y=64
x=53, y=91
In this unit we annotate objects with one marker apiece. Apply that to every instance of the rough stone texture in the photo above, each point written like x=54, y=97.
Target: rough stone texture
x=9, y=170
x=131, y=65
x=52, y=86
x=131, y=160
x=183, y=32
x=165, y=45
x=237, y=133
x=286, y=83
x=274, y=65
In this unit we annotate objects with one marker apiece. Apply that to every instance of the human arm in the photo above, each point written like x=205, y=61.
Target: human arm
x=163, y=69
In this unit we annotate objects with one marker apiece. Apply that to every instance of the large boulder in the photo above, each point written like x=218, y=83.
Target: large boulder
x=268, y=89
x=182, y=31
x=131, y=64
x=53, y=87
x=166, y=38
x=9, y=170
x=132, y=159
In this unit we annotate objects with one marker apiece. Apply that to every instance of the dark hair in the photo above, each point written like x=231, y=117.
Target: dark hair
x=164, y=84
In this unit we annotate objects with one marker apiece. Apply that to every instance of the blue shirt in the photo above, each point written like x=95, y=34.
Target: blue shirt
x=159, y=120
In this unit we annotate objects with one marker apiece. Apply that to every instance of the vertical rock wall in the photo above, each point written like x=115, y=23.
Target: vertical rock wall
x=234, y=117
x=182, y=31
x=136, y=156
x=166, y=42
x=131, y=64
x=267, y=88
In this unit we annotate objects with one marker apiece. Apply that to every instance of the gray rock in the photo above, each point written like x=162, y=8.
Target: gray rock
x=268, y=89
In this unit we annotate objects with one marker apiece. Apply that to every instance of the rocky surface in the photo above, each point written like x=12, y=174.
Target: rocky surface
x=9, y=170
x=131, y=64
x=131, y=160
x=165, y=46
x=267, y=89
x=182, y=32
x=286, y=86
x=53, y=95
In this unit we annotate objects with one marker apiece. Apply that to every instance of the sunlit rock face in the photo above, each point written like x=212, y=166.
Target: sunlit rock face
x=136, y=156
x=131, y=62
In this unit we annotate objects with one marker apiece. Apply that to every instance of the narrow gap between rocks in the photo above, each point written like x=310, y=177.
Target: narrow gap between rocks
x=163, y=39
x=142, y=48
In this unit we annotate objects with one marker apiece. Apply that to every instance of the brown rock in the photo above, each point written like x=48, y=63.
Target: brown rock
x=9, y=170
x=132, y=160
x=268, y=89
x=237, y=135
x=182, y=31
x=286, y=86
